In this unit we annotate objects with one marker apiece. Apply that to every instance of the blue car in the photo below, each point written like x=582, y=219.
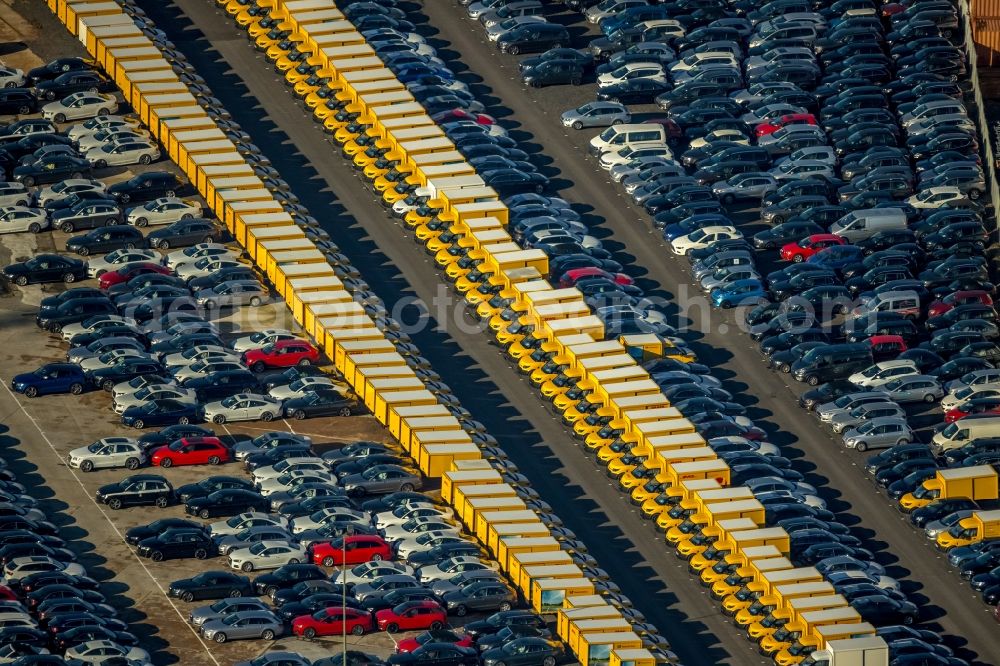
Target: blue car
x=415, y=73
x=740, y=292
x=837, y=257
x=51, y=378
x=160, y=413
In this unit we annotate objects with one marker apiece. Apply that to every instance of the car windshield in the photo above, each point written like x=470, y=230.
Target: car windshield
x=257, y=548
x=231, y=619
x=234, y=521
x=243, y=534
x=220, y=606
x=230, y=401
x=143, y=393
x=866, y=427
x=95, y=447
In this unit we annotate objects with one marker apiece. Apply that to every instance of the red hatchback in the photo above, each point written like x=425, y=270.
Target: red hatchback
x=956, y=298
x=358, y=548
x=434, y=636
x=281, y=354
x=886, y=347
x=411, y=615
x=111, y=278
x=970, y=407
x=772, y=126
x=191, y=451
x=571, y=277
x=333, y=621
x=810, y=245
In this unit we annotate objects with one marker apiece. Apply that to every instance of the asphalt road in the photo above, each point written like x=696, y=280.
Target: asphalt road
x=631, y=550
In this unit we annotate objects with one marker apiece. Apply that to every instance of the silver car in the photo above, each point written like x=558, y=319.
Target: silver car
x=154, y=392
x=416, y=526
x=267, y=555
x=98, y=652
x=383, y=584
x=240, y=522
x=251, y=535
x=262, y=474
x=936, y=527
x=233, y=293
x=752, y=186
x=845, y=403
x=444, y=585
x=100, y=346
x=596, y=114
x=453, y=565
x=293, y=478
x=914, y=388
x=327, y=516
x=249, y=624
x=108, y=452
x=381, y=479
x=223, y=608
x=368, y=571
x=879, y=433
x=164, y=210
x=199, y=353
x=858, y=415
x=243, y=407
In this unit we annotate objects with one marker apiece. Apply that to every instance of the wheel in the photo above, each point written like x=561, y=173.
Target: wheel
x=110, y=222
x=163, y=245
x=862, y=446
x=406, y=488
x=100, y=164
x=214, y=460
x=812, y=381
x=145, y=159
x=235, y=593
x=255, y=301
x=797, y=258
x=31, y=392
x=188, y=597
x=166, y=462
x=505, y=606
x=577, y=125
x=129, y=246
x=258, y=366
x=728, y=199
x=220, y=638
x=219, y=419
x=21, y=280
x=59, y=117
x=461, y=610
x=76, y=174
x=901, y=442
x=115, y=503
x=294, y=560
x=784, y=367
x=549, y=661
x=499, y=663
x=132, y=463
x=304, y=362
x=200, y=554
x=139, y=425
x=83, y=252
x=68, y=278
x=377, y=557
x=161, y=502
x=514, y=50
x=309, y=633
x=142, y=222
x=247, y=566
x=929, y=397
x=536, y=84
x=358, y=630
x=107, y=385
x=299, y=415
x=156, y=556
x=168, y=193
x=908, y=619
x=391, y=628
x=34, y=227
x=345, y=411
x=576, y=80
x=328, y=561
x=28, y=181
x=103, y=112
x=267, y=417
x=725, y=305
x=208, y=239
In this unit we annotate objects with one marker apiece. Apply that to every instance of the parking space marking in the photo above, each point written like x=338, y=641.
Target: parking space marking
x=114, y=527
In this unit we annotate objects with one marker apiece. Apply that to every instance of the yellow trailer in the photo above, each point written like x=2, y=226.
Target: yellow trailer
x=484, y=519
x=547, y=594
x=197, y=164
x=594, y=649
x=93, y=34
x=74, y=14
x=510, y=546
x=586, y=626
x=530, y=529
x=435, y=458
x=473, y=507
x=284, y=273
x=518, y=561
x=310, y=291
x=635, y=657
x=566, y=616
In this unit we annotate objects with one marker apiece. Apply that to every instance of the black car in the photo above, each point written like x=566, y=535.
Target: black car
x=176, y=543
x=183, y=232
x=71, y=82
x=146, y=187
x=533, y=38
x=127, y=367
x=19, y=101
x=91, y=214
x=46, y=268
x=886, y=610
x=209, y=485
x=226, y=502
x=553, y=72
x=514, y=181
x=64, y=641
x=114, y=237
x=285, y=577
x=498, y=621
x=73, y=312
x=52, y=169
x=442, y=654
x=222, y=384
x=635, y=91
x=56, y=68
x=137, y=490
x=170, y=434
x=320, y=403
x=211, y=585
x=136, y=534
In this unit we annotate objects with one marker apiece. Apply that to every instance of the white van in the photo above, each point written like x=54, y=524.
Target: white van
x=963, y=431
x=866, y=222
x=632, y=134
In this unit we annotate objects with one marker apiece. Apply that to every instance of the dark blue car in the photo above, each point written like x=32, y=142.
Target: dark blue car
x=837, y=257
x=51, y=378
x=160, y=413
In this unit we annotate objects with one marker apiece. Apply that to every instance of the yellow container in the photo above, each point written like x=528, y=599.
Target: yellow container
x=534, y=528
x=436, y=458
x=547, y=595
x=510, y=546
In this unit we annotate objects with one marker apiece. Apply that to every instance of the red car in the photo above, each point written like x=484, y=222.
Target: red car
x=358, y=548
x=7, y=594
x=434, y=636
x=281, y=354
x=886, y=347
x=571, y=277
x=111, y=278
x=333, y=621
x=970, y=407
x=411, y=615
x=956, y=298
x=191, y=451
x=810, y=245
x=772, y=126
x=461, y=114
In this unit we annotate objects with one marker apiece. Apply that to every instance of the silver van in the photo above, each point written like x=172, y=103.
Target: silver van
x=631, y=134
x=902, y=302
x=866, y=222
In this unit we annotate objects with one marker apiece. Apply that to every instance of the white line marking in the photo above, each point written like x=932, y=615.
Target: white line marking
x=121, y=536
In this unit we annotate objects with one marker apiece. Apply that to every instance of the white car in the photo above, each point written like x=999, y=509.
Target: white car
x=110, y=135
x=937, y=197
x=93, y=324
x=14, y=194
x=206, y=266
x=20, y=567
x=267, y=555
x=450, y=567
x=154, y=392
x=108, y=452
x=136, y=383
x=633, y=70
x=200, y=353
x=189, y=255
x=165, y=210
x=79, y=105
x=311, y=464
x=424, y=541
x=21, y=218
x=263, y=338
x=953, y=400
x=110, y=358
x=612, y=158
x=326, y=516
x=703, y=237
x=123, y=151
x=608, y=8
x=11, y=77
x=883, y=373
x=243, y=407
x=406, y=512
x=732, y=135
x=369, y=571
x=241, y=521
x=300, y=387
x=98, y=123
x=65, y=188
x=116, y=259
x=97, y=652
x=417, y=526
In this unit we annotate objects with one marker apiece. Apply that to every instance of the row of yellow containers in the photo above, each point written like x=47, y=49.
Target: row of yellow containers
x=299, y=272
x=540, y=567
x=370, y=364
x=554, y=314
